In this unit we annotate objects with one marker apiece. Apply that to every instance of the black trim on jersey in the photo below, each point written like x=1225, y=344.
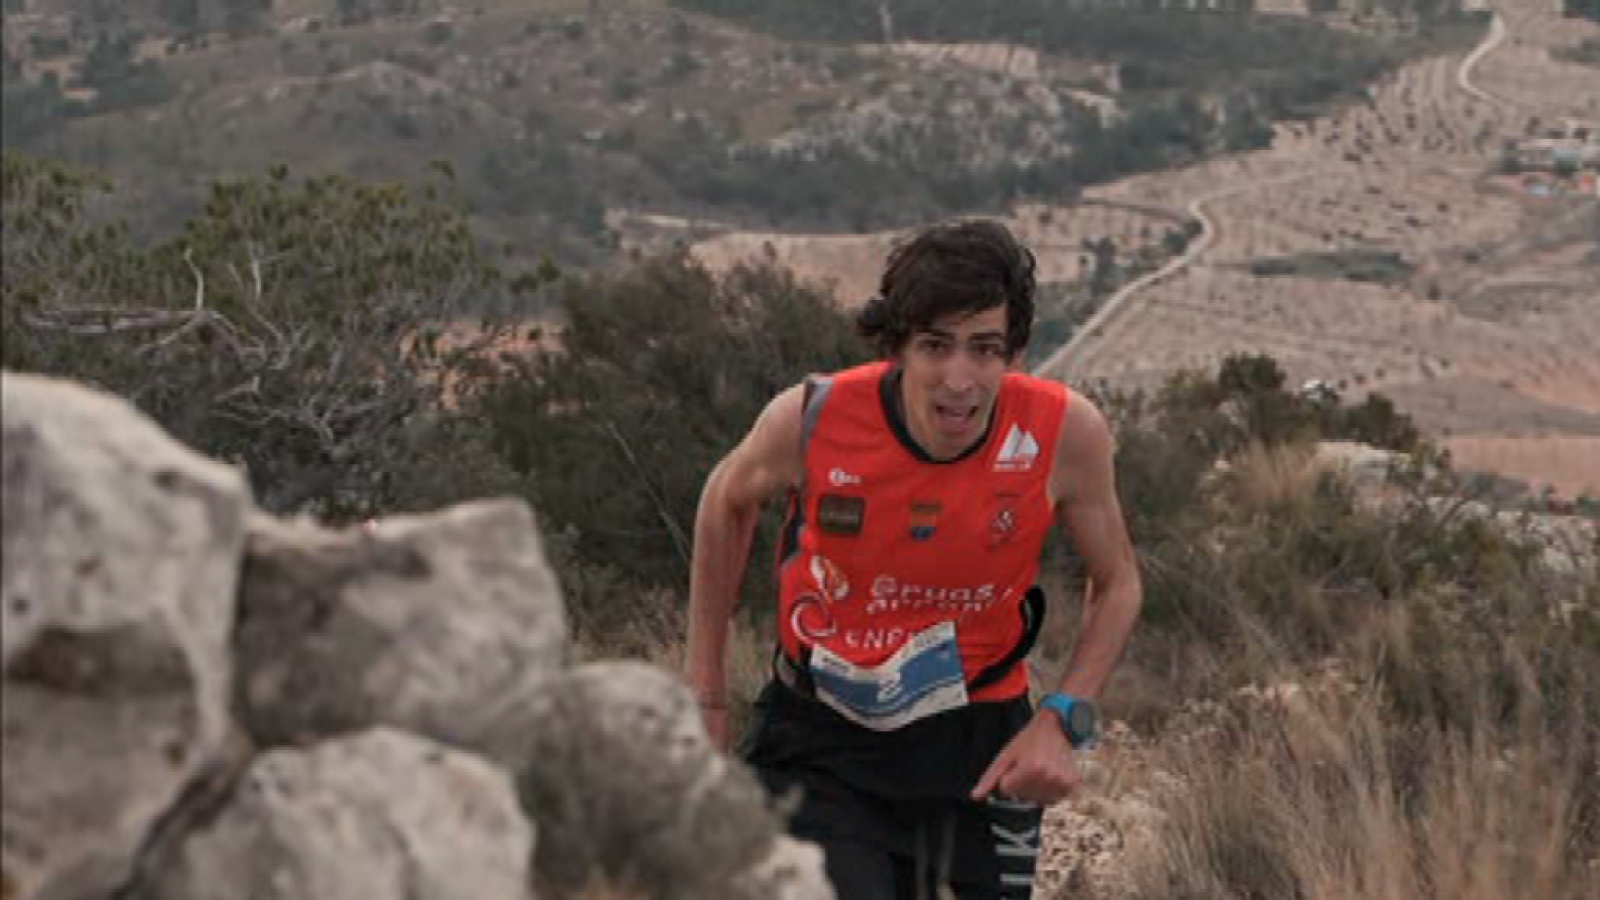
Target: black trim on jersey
x=789, y=533
x=894, y=411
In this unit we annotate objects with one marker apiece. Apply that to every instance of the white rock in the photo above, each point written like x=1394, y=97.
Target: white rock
x=379, y=816
x=121, y=555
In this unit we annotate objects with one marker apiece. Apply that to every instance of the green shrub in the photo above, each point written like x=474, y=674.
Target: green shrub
x=659, y=370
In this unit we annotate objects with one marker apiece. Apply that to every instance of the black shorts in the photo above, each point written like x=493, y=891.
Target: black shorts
x=891, y=810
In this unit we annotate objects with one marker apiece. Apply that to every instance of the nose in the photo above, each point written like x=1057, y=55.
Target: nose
x=960, y=373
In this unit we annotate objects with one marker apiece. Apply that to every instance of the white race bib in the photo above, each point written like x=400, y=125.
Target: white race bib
x=922, y=678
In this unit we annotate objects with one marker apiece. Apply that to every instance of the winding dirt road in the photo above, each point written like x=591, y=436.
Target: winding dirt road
x=1082, y=356
x=1497, y=33
x=1096, y=324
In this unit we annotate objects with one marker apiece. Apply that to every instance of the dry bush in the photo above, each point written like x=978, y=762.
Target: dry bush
x=1331, y=795
x=1269, y=476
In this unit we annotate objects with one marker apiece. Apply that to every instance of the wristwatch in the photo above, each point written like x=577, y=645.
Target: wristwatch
x=1079, y=719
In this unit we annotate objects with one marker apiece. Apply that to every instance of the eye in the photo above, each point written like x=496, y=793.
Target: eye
x=934, y=346
x=989, y=350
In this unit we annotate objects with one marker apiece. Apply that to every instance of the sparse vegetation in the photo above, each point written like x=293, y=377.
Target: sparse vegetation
x=1375, y=266
x=294, y=327
x=656, y=373
x=1586, y=53
x=1585, y=9
x=1356, y=690
x=726, y=125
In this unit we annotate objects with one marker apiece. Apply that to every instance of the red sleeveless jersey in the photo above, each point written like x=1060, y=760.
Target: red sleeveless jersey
x=881, y=545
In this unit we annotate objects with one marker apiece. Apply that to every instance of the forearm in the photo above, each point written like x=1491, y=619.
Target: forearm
x=1109, y=614
x=722, y=538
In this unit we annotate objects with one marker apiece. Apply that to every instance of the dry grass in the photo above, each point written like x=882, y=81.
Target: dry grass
x=1270, y=476
x=1327, y=799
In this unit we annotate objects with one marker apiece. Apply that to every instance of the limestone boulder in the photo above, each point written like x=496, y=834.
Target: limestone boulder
x=791, y=870
x=626, y=789
x=437, y=624
x=121, y=555
x=380, y=815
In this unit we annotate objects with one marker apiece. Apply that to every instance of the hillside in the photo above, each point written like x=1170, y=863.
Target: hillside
x=559, y=117
x=1484, y=327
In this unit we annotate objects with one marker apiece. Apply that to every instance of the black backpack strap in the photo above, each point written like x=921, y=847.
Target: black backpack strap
x=796, y=676
x=1032, y=624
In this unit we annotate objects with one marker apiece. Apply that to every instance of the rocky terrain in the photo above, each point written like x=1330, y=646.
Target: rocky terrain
x=201, y=701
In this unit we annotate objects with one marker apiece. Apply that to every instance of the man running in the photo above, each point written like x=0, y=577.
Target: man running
x=921, y=488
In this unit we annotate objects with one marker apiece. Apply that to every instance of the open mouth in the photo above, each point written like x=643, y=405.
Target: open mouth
x=954, y=418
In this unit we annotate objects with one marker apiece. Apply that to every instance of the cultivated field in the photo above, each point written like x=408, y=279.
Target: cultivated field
x=851, y=263
x=1485, y=329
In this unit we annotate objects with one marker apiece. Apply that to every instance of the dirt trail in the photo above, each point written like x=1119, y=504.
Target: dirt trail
x=1103, y=318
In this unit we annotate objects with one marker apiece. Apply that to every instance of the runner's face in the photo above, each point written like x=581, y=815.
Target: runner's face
x=953, y=371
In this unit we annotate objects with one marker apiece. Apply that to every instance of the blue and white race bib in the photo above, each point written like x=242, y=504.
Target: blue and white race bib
x=922, y=678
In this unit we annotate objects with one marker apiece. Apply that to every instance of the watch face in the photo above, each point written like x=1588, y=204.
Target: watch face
x=1081, y=721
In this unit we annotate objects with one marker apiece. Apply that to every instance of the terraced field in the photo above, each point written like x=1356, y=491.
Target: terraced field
x=1485, y=332
x=851, y=263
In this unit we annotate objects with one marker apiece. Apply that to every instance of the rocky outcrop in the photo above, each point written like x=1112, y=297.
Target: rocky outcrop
x=630, y=786
x=426, y=623
x=201, y=701
x=379, y=814
x=121, y=559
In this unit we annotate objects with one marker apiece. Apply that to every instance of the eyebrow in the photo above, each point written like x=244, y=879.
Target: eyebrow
x=980, y=336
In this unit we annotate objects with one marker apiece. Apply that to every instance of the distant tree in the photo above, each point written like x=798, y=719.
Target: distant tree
x=352, y=12
x=297, y=328
x=182, y=15
x=1253, y=385
x=243, y=17
x=120, y=81
x=1377, y=421
x=1582, y=9
x=29, y=109
x=1103, y=271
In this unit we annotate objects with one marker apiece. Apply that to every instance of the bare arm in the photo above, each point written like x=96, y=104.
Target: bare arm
x=767, y=461
x=1084, y=487
x=1037, y=763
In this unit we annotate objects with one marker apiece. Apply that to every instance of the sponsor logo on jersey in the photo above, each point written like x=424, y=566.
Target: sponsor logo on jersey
x=1017, y=452
x=842, y=515
x=924, y=520
x=840, y=478
x=812, y=617
x=1002, y=518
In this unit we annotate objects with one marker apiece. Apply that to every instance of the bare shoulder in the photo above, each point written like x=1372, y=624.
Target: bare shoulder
x=1083, y=422
x=769, y=458
x=1084, y=450
x=778, y=426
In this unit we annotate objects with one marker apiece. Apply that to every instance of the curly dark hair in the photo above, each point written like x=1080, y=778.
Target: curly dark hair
x=963, y=266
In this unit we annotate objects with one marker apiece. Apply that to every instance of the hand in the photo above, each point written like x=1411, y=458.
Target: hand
x=1039, y=765
x=715, y=717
